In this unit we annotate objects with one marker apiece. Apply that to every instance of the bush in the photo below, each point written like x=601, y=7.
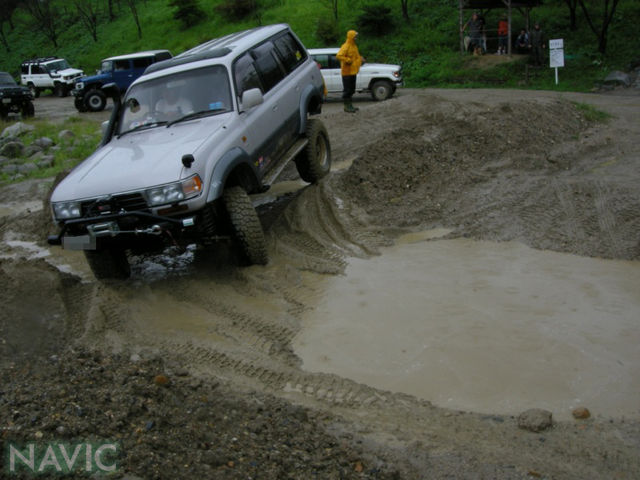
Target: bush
x=327, y=31
x=235, y=10
x=375, y=20
x=188, y=12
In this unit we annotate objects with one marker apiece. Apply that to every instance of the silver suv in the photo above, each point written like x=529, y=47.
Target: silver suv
x=189, y=142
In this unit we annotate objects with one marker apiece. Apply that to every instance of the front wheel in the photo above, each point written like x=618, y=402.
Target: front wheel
x=245, y=225
x=314, y=162
x=79, y=104
x=27, y=110
x=35, y=91
x=381, y=90
x=95, y=100
x=108, y=263
x=59, y=90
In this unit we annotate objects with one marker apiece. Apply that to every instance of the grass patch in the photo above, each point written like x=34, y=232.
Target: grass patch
x=591, y=113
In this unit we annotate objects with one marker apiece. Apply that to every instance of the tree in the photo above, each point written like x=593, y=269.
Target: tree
x=134, y=12
x=405, y=9
x=88, y=12
x=333, y=6
x=7, y=7
x=573, y=6
x=187, y=12
x=608, y=9
x=45, y=16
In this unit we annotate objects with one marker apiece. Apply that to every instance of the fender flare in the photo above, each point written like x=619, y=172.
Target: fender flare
x=229, y=162
x=306, y=98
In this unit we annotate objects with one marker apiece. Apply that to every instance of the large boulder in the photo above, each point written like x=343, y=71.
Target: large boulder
x=16, y=130
x=12, y=149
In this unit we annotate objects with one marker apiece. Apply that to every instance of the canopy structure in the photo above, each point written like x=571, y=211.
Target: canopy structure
x=483, y=6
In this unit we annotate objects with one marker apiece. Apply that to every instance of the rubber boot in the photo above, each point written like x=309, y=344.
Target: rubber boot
x=348, y=107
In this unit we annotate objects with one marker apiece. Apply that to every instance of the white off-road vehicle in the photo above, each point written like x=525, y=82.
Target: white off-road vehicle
x=190, y=141
x=49, y=73
x=378, y=79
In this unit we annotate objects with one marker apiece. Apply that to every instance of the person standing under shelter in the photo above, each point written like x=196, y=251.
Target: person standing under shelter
x=350, y=61
x=503, y=35
x=536, y=41
x=475, y=25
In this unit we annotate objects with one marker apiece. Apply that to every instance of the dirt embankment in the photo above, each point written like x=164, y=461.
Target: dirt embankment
x=499, y=165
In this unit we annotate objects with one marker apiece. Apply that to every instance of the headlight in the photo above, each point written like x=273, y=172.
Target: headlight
x=80, y=86
x=66, y=210
x=174, y=192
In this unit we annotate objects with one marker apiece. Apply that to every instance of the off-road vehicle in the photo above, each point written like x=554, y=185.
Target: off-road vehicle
x=122, y=70
x=48, y=73
x=14, y=98
x=189, y=142
x=379, y=79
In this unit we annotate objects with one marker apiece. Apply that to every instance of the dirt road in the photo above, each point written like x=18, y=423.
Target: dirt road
x=481, y=165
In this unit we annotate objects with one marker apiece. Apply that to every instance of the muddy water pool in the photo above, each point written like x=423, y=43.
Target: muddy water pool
x=488, y=327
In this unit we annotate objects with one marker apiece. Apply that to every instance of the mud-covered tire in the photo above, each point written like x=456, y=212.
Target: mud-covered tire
x=245, y=225
x=35, y=91
x=381, y=90
x=108, y=263
x=59, y=90
x=28, y=110
x=314, y=162
x=95, y=100
x=78, y=102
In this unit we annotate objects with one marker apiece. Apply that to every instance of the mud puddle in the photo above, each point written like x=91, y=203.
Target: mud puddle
x=488, y=327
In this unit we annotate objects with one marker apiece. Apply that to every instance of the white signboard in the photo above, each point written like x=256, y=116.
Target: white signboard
x=556, y=53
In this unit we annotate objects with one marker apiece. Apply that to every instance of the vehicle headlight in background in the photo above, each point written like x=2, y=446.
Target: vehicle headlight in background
x=66, y=210
x=79, y=86
x=397, y=74
x=174, y=192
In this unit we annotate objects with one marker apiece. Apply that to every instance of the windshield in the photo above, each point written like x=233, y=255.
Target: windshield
x=169, y=98
x=106, y=66
x=6, y=79
x=57, y=65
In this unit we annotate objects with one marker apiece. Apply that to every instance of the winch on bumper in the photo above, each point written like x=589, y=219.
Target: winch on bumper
x=110, y=227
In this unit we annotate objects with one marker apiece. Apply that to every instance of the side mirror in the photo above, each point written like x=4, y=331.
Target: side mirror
x=251, y=98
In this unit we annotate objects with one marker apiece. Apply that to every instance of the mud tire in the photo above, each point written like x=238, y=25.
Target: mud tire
x=59, y=90
x=35, y=91
x=108, y=263
x=381, y=90
x=95, y=100
x=245, y=225
x=79, y=104
x=314, y=162
x=28, y=110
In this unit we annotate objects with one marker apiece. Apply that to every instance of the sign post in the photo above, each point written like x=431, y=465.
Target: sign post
x=556, y=55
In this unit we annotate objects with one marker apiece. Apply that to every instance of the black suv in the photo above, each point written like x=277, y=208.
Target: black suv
x=14, y=98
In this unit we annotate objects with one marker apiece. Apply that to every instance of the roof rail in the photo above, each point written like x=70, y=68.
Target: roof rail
x=175, y=61
x=40, y=59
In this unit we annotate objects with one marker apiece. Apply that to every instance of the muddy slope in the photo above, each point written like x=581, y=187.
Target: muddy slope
x=513, y=166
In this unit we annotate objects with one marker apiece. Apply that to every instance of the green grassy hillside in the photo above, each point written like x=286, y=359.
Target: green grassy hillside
x=426, y=46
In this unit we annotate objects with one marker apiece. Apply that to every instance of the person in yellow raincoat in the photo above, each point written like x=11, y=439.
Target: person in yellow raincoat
x=350, y=61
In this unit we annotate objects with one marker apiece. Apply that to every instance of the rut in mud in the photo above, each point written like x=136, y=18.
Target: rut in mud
x=534, y=171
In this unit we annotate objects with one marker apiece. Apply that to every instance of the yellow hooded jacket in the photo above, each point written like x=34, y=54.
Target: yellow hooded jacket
x=349, y=56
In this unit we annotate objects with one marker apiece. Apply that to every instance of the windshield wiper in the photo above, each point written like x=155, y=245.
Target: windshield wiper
x=192, y=115
x=144, y=126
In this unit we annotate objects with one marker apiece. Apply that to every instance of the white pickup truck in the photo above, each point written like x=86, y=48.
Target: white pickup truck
x=379, y=79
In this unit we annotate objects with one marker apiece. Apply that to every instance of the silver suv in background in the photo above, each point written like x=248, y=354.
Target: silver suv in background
x=378, y=79
x=48, y=73
x=189, y=142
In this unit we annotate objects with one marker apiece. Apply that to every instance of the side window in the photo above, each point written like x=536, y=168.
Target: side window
x=37, y=70
x=333, y=62
x=24, y=69
x=290, y=51
x=143, y=62
x=120, y=65
x=322, y=60
x=245, y=75
x=267, y=65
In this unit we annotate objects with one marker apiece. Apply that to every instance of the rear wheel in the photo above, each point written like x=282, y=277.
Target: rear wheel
x=381, y=90
x=245, y=224
x=108, y=263
x=35, y=91
x=314, y=162
x=95, y=100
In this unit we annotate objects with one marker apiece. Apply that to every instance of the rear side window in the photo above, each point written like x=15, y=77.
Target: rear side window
x=267, y=65
x=120, y=65
x=245, y=75
x=143, y=62
x=24, y=69
x=290, y=51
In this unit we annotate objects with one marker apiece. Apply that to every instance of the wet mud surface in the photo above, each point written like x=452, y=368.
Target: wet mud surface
x=479, y=165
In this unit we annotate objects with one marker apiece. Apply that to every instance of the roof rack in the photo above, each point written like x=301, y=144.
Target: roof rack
x=40, y=59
